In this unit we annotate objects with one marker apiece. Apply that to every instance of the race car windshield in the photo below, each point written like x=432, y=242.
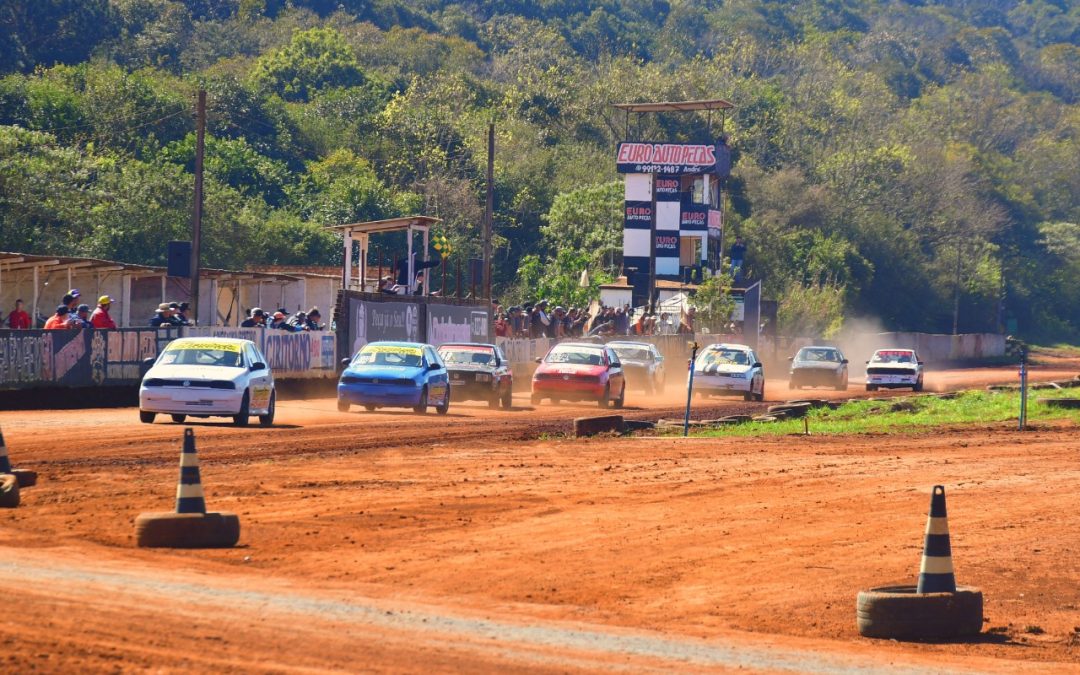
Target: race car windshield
x=577, y=355
x=724, y=357
x=633, y=353
x=475, y=357
x=828, y=355
x=200, y=356
x=893, y=357
x=389, y=356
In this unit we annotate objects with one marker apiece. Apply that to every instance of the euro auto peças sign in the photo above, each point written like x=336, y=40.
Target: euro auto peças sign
x=673, y=159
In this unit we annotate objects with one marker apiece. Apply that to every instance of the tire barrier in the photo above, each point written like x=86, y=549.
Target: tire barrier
x=1060, y=402
x=902, y=613
x=590, y=426
x=9, y=491
x=793, y=410
x=26, y=478
x=190, y=526
x=935, y=609
x=638, y=425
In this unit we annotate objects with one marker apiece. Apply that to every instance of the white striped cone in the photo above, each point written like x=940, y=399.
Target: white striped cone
x=189, y=492
x=936, y=573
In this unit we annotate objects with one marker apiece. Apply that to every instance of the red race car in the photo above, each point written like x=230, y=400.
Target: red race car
x=579, y=371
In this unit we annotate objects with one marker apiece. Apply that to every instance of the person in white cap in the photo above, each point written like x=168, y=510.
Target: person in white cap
x=100, y=319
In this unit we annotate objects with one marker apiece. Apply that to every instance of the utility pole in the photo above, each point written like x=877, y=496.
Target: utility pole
x=652, y=246
x=956, y=294
x=197, y=207
x=489, y=210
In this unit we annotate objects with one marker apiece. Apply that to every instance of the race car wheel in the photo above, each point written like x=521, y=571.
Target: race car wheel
x=760, y=396
x=918, y=386
x=445, y=406
x=343, y=405
x=179, y=419
x=267, y=420
x=147, y=417
x=841, y=385
x=508, y=398
x=871, y=387
x=370, y=408
x=241, y=418
x=605, y=400
x=622, y=398
x=421, y=407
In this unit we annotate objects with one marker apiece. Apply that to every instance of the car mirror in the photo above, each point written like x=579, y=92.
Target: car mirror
x=149, y=362
x=867, y=363
x=920, y=363
x=659, y=359
x=258, y=365
x=757, y=365
x=345, y=361
x=791, y=358
x=844, y=361
x=539, y=359
x=433, y=366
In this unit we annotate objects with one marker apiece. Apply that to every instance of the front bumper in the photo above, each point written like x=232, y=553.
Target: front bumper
x=892, y=381
x=568, y=389
x=189, y=401
x=398, y=395
x=720, y=384
x=815, y=376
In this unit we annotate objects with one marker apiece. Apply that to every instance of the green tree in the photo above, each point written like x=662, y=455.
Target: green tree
x=314, y=59
x=589, y=220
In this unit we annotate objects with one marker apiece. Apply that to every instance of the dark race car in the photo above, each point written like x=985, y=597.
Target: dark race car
x=479, y=372
x=819, y=367
x=642, y=364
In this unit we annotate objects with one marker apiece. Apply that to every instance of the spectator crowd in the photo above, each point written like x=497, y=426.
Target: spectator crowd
x=539, y=320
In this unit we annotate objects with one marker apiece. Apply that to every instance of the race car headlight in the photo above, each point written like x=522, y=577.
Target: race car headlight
x=483, y=377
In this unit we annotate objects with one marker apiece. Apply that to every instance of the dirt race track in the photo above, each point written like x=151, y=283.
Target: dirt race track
x=485, y=540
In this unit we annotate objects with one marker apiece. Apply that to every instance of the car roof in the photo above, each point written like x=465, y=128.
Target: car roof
x=397, y=343
x=728, y=345
x=210, y=338
x=467, y=344
x=629, y=343
x=587, y=345
x=819, y=347
x=894, y=349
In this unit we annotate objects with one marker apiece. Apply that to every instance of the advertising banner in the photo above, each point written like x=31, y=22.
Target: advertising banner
x=374, y=321
x=694, y=218
x=671, y=159
x=668, y=189
x=452, y=323
x=637, y=215
x=667, y=245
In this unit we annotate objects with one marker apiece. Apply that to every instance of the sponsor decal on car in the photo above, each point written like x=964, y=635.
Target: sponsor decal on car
x=208, y=345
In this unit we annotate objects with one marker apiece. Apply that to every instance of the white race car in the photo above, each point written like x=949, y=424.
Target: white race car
x=894, y=368
x=208, y=377
x=729, y=369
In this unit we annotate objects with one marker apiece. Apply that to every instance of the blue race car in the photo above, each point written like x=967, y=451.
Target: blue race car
x=396, y=375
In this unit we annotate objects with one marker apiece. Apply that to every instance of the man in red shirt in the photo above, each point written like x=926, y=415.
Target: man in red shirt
x=100, y=318
x=18, y=319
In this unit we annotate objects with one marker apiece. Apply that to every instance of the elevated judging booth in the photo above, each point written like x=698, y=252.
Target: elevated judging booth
x=673, y=213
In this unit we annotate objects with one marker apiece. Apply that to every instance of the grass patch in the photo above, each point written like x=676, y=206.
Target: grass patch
x=910, y=414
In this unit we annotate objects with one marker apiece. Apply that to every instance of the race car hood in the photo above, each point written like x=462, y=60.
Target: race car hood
x=722, y=369
x=634, y=363
x=194, y=373
x=470, y=368
x=383, y=371
x=570, y=369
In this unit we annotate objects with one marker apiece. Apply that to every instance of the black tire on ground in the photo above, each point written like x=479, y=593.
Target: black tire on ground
x=147, y=417
x=444, y=407
x=918, y=386
x=760, y=396
x=187, y=530
x=421, y=407
x=343, y=405
x=618, y=403
x=267, y=420
x=179, y=419
x=841, y=385
x=242, y=418
x=25, y=477
x=605, y=400
x=899, y=613
x=9, y=491
x=748, y=396
x=508, y=397
x=871, y=387
x=370, y=408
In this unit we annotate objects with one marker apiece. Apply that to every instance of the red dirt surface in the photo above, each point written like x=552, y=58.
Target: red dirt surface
x=486, y=540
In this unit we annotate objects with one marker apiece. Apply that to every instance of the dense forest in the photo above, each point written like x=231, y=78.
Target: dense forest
x=899, y=160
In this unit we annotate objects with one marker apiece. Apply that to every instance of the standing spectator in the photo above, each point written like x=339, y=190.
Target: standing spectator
x=163, y=317
x=182, y=314
x=257, y=319
x=100, y=319
x=177, y=317
x=418, y=267
x=82, y=317
x=313, y=316
x=59, y=321
x=279, y=322
x=639, y=325
x=622, y=321
x=298, y=321
x=686, y=326
x=541, y=322
x=502, y=326
x=738, y=254
x=18, y=319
